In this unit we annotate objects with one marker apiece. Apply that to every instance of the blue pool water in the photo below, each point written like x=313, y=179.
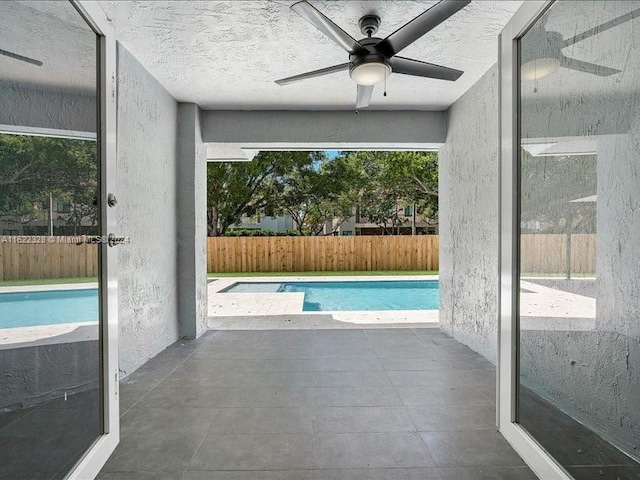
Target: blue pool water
x=355, y=296
x=48, y=307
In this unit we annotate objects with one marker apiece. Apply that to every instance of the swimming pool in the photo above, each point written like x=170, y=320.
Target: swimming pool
x=361, y=295
x=50, y=307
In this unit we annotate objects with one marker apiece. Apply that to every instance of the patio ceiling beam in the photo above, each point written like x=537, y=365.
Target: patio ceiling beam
x=325, y=129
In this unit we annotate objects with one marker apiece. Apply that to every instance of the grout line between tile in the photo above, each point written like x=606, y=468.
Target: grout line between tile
x=167, y=375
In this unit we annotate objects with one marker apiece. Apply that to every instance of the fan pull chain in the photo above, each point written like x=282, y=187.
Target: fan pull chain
x=385, y=86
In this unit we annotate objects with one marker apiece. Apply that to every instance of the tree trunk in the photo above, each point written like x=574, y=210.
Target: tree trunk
x=212, y=226
x=413, y=219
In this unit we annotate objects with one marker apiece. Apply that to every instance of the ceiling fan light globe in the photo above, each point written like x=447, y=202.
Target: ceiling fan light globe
x=370, y=73
x=539, y=68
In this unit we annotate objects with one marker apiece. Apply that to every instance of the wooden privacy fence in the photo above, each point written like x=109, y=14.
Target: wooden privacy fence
x=549, y=253
x=541, y=254
x=301, y=254
x=35, y=257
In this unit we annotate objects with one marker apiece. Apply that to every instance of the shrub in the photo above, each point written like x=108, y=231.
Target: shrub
x=259, y=232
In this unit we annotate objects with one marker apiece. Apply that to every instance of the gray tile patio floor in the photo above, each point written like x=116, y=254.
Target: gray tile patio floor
x=392, y=403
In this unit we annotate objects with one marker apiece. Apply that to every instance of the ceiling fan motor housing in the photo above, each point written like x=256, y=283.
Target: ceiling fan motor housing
x=369, y=54
x=357, y=60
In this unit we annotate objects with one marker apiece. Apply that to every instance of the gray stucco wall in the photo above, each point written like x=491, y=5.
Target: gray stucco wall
x=618, y=300
x=38, y=108
x=32, y=374
x=468, y=203
x=325, y=128
x=594, y=375
x=146, y=183
x=192, y=223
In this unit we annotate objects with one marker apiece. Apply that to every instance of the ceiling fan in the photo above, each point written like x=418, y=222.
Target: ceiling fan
x=22, y=58
x=544, y=57
x=373, y=59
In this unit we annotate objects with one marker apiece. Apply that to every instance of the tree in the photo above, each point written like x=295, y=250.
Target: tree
x=389, y=179
x=32, y=167
x=246, y=188
x=319, y=193
x=549, y=184
x=319, y=196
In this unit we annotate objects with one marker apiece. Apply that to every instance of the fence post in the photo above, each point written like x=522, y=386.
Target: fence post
x=569, y=255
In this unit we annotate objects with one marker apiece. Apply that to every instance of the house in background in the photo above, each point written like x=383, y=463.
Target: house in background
x=61, y=220
x=278, y=223
x=404, y=223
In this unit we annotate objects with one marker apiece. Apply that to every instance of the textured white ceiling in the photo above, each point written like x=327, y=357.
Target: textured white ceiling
x=227, y=54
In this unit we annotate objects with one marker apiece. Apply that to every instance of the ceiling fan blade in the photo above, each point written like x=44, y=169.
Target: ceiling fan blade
x=601, y=28
x=423, y=23
x=587, y=67
x=408, y=66
x=364, y=96
x=315, y=73
x=20, y=57
x=326, y=26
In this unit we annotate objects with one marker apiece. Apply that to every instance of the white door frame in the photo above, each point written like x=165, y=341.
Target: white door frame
x=94, y=459
x=533, y=454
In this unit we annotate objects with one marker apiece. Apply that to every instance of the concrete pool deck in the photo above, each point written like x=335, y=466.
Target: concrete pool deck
x=543, y=308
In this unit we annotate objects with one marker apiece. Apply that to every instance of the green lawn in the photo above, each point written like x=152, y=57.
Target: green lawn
x=46, y=281
x=54, y=281
x=317, y=274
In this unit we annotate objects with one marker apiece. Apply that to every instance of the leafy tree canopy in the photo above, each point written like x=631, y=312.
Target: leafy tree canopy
x=549, y=184
x=320, y=193
x=390, y=179
x=235, y=189
x=319, y=196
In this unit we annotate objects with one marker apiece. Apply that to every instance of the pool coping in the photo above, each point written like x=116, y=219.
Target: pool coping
x=49, y=287
x=283, y=310
x=221, y=283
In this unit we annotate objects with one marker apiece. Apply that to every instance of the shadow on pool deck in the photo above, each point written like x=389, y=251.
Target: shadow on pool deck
x=327, y=320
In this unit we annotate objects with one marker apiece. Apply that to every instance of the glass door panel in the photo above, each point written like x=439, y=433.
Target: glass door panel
x=51, y=390
x=579, y=236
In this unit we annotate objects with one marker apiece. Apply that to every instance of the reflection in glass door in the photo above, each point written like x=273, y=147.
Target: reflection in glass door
x=51, y=408
x=579, y=236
